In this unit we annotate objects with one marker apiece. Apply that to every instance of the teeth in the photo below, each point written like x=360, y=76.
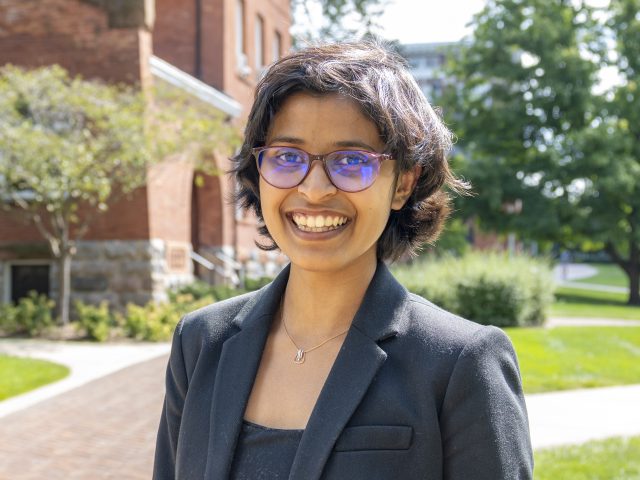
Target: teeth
x=318, y=222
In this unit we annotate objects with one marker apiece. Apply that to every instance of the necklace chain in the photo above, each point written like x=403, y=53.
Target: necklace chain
x=301, y=352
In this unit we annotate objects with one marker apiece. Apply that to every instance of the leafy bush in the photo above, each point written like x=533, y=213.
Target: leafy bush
x=491, y=289
x=156, y=321
x=197, y=290
x=33, y=314
x=96, y=321
x=200, y=289
x=7, y=319
x=252, y=284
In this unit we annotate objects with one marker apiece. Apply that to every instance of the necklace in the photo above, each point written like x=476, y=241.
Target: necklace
x=301, y=352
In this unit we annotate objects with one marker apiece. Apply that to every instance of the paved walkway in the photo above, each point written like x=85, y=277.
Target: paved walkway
x=106, y=427
x=87, y=360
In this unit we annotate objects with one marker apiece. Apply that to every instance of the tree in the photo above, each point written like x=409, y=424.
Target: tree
x=70, y=147
x=536, y=125
x=340, y=19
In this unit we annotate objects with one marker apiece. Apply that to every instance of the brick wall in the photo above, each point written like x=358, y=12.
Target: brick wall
x=174, y=33
x=169, y=186
x=71, y=33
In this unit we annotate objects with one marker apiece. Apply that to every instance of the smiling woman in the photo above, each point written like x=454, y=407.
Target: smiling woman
x=334, y=370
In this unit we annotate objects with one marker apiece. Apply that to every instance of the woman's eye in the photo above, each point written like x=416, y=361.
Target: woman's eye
x=289, y=158
x=352, y=160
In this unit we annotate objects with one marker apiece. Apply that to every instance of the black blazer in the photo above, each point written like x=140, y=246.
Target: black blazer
x=415, y=393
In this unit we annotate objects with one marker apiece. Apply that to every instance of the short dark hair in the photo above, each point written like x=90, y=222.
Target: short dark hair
x=377, y=80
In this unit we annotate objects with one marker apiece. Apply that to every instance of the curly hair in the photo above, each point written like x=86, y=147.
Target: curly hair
x=377, y=80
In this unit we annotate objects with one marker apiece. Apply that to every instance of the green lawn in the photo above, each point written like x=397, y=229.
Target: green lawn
x=576, y=302
x=19, y=375
x=612, y=459
x=608, y=274
x=576, y=357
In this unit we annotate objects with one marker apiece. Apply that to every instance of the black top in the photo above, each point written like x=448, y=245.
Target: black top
x=264, y=452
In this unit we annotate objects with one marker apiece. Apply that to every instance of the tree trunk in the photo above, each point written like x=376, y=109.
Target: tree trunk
x=634, y=288
x=64, y=291
x=634, y=271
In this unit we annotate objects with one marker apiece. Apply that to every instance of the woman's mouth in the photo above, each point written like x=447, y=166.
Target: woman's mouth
x=318, y=223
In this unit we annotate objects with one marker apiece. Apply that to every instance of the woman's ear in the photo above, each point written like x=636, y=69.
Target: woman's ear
x=404, y=187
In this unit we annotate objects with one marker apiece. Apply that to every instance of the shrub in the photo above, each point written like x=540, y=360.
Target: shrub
x=251, y=284
x=491, y=289
x=33, y=314
x=200, y=289
x=7, y=319
x=156, y=321
x=95, y=321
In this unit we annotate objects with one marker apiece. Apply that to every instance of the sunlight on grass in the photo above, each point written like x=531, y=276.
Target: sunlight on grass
x=575, y=302
x=608, y=274
x=612, y=459
x=19, y=375
x=576, y=357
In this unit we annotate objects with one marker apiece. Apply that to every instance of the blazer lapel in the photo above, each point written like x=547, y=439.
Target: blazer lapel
x=236, y=371
x=353, y=371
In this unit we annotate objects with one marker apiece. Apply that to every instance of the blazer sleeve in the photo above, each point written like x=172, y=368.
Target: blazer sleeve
x=176, y=390
x=485, y=429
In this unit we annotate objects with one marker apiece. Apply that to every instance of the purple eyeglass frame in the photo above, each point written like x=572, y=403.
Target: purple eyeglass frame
x=322, y=157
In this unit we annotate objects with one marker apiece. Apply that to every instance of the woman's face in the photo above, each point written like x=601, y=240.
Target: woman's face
x=319, y=125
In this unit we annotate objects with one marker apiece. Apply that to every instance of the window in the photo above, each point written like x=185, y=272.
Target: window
x=277, y=47
x=241, y=55
x=259, y=43
x=27, y=277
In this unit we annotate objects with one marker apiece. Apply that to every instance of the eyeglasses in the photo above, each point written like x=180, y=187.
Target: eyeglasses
x=348, y=170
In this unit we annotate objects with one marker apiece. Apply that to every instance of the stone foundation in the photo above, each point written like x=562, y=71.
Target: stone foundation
x=122, y=272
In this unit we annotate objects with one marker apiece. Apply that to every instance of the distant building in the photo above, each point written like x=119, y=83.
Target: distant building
x=170, y=230
x=427, y=62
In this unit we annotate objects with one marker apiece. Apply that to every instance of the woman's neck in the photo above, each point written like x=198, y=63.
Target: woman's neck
x=318, y=305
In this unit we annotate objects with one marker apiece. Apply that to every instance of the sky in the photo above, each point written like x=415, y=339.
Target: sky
x=419, y=21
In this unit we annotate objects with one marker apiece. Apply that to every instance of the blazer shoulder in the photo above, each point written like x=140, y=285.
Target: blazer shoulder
x=215, y=321
x=441, y=327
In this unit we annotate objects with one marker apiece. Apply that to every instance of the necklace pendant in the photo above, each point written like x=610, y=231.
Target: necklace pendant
x=299, y=356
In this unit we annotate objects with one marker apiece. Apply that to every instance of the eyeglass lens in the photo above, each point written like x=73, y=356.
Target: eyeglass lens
x=349, y=170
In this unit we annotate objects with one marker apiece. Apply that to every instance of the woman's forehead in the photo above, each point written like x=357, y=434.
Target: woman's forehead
x=304, y=117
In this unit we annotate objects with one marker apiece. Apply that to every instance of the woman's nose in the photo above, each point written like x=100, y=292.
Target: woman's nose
x=316, y=184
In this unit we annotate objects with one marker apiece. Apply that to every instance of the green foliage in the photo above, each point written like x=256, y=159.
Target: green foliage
x=490, y=289
x=20, y=375
x=95, y=321
x=252, y=284
x=32, y=315
x=200, y=289
x=156, y=321
x=565, y=358
x=535, y=125
x=453, y=240
x=65, y=139
x=181, y=123
x=69, y=145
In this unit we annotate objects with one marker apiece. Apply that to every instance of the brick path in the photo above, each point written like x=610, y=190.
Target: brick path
x=104, y=429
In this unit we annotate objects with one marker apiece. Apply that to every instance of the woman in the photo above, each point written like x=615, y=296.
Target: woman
x=334, y=370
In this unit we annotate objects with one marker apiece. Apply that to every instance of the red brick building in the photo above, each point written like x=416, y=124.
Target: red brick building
x=214, y=50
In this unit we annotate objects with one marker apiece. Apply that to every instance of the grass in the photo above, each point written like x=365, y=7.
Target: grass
x=611, y=459
x=608, y=274
x=564, y=358
x=576, y=302
x=19, y=375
